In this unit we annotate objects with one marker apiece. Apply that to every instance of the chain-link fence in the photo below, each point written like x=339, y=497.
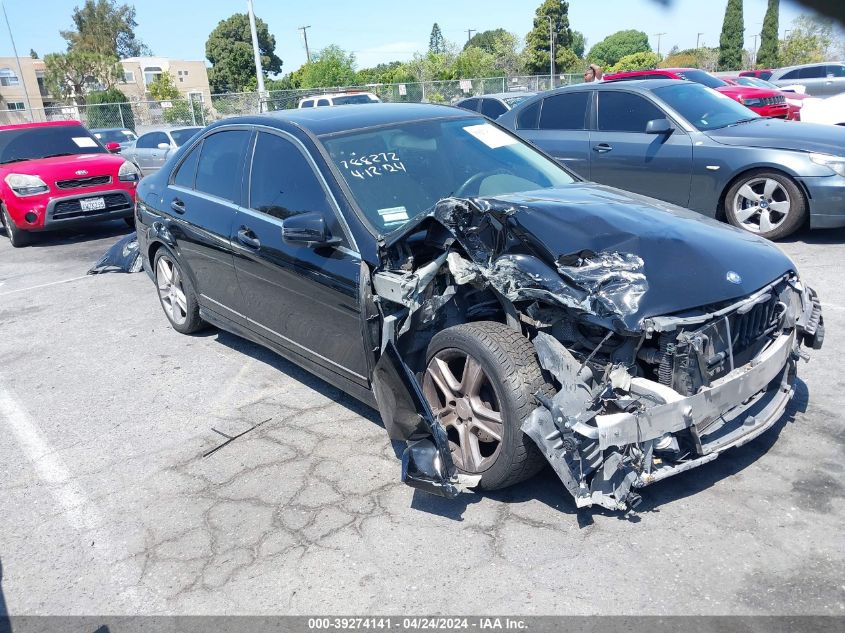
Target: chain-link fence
x=139, y=115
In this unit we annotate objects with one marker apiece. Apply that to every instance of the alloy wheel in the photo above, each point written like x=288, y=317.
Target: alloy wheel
x=761, y=205
x=468, y=408
x=171, y=291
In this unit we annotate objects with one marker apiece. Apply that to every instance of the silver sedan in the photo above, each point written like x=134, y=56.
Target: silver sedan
x=152, y=148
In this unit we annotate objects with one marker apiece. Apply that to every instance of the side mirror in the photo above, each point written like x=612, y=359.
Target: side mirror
x=113, y=147
x=163, y=146
x=308, y=229
x=659, y=126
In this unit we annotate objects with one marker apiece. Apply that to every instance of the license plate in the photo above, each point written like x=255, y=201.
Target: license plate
x=92, y=204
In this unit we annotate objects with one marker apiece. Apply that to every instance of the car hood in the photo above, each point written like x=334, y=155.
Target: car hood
x=778, y=134
x=686, y=257
x=63, y=167
x=739, y=92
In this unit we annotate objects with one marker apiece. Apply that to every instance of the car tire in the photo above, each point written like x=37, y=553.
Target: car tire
x=767, y=203
x=176, y=293
x=16, y=236
x=511, y=377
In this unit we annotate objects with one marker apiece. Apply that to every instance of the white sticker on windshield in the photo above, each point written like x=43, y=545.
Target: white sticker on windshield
x=84, y=141
x=392, y=215
x=491, y=136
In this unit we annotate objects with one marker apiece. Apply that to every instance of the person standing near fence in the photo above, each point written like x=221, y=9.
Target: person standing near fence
x=593, y=73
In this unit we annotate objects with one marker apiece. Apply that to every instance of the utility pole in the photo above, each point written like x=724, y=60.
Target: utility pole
x=754, y=51
x=21, y=78
x=658, y=35
x=304, y=30
x=259, y=74
x=698, y=39
x=551, y=53
x=469, y=34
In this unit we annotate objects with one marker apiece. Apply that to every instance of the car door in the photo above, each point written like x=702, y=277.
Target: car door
x=834, y=79
x=302, y=298
x=147, y=152
x=558, y=126
x=202, y=198
x=623, y=155
x=814, y=79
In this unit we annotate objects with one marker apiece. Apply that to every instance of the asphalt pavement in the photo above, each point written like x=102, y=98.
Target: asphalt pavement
x=112, y=503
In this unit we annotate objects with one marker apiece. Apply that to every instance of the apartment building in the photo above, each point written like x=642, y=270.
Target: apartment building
x=189, y=77
x=22, y=87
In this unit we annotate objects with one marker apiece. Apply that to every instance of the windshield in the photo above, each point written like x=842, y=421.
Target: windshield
x=115, y=136
x=353, y=99
x=42, y=142
x=180, y=137
x=703, y=78
x=756, y=83
x=704, y=108
x=398, y=172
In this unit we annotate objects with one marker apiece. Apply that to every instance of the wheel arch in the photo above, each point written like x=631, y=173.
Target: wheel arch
x=720, y=208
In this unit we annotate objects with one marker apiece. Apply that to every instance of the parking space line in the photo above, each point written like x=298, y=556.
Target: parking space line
x=78, y=510
x=52, y=283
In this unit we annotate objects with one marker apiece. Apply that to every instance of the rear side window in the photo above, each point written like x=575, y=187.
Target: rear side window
x=187, y=170
x=307, y=104
x=151, y=140
x=566, y=111
x=492, y=108
x=812, y=72
x=469, y=104
x=323, y=102
x=792, y=74
x=528, y=118
x=282, y=182
x=625, y=112
x=220, y=164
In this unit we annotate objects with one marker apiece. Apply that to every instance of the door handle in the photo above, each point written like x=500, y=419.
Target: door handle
x=177, y=205
x=601, y=148
x=248, y=238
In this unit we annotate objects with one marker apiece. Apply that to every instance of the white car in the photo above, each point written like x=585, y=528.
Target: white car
x=830, y=110
x=338, y=98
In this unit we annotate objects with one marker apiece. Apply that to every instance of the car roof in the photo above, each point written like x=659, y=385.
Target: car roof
x=610, y=84
x=22, y=126
x=321, y=121
x=332, y=95
x=164, y=128
x=788, y=68
x=502, y=95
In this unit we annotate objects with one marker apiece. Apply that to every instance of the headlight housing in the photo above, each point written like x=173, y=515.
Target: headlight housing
x=26, y=184
x=128, y=172
x=753, y=103
x=834, y=163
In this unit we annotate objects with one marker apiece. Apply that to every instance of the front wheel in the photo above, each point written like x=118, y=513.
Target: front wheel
x=16, y=236
x=767, y=203
x=176, y=294
x=480, y=380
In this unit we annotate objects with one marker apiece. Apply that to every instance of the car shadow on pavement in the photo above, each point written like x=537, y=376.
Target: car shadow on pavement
x=820, y=236
x=83, y=234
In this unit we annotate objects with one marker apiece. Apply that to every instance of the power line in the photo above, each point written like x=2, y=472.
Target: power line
x=469, y=34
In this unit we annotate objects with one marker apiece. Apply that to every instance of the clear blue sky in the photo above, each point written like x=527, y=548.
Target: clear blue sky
x=381, y=31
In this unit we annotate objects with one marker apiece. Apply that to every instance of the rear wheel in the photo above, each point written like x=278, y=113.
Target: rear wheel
x=480, y=380
x=16, y=236
x=767, y=203
x=176, y=294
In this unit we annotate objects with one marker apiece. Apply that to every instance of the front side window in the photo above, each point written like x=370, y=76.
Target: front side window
x=395, y=173
x=835, y=70
x=46, y=141
x=529, y=117
x=220, y=164
x=704, y=108
x=282, y=182
x=812, y=72
x=567, y=111
x=187, y=170
x=151, y=140
x=625, y=112
x=792, y=74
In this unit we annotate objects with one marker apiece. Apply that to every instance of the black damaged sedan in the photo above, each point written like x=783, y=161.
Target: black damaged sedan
x=500, y=312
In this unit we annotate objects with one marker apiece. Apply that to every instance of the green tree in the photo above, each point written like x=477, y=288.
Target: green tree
x=33, y=54
x=810, y=40
x=109, y=108
x=474, y=62
x=732, y=38
x=387, y=73
x=331, y=66
x=503, y=45
x=637, y=61
x=436, y=41
x=163, y=88
x=768, y=55
x=73, y=74
x=104, y=27
x=616, y=46
x=536, y=54
x=579, y=43
x=431, y=66
x=486, y=40
x=229, y=49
